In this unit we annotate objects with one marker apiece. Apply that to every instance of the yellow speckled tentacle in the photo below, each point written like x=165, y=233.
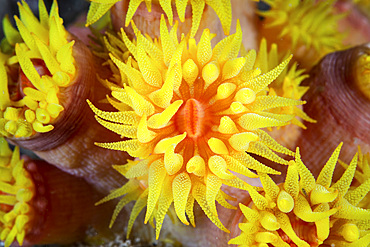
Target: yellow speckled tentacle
x=17, y=190
x=288, y=209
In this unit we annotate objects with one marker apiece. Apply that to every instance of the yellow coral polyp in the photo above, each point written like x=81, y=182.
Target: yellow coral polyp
x=36, y=40
x=362, y=180
x=222, y=8
x=16, y=191
x=308, y=24
x=184, y=133
x=338, y=220
x=287, y=84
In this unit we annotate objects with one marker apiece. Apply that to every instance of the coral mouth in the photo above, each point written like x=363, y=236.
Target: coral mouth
x=191, y=118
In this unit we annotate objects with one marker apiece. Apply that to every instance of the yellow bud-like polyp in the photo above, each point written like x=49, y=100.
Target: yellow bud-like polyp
x=232, y=67
x=162, y=145
x=285, y=202
x=350, y=232
x=39, y=127
x=54, y=109
x=42, y=116
x=225, y=90
x=266, y=237
x=217, y=146
x=144, y=135
x=11, y=127
x=218, y=166
x=30, y=116
x=240, y=142
x=30, y=103
x=210, y=73
x=237, y=107
x=200, y=123
x=245, y=96
x=19, y=190
x=160, y=120
x=321, y=195
x=227, y=126
x=11, y=113
x=172, y=161
x=269, y=221
x=61, y=79
x=196, y=165
x=190, y=71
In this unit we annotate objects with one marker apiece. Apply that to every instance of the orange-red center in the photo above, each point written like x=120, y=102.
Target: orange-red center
x=191, y=118
x=16, y=91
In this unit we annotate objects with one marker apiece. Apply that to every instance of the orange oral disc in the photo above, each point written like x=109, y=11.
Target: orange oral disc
x=191, y=119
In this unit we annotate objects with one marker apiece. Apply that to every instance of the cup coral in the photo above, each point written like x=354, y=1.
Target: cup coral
x=16, y=191
x=362, y=175
x=301, y=26
x=194, y=111
x=54, y=70
x=44, y=56
x=40, y=204
x=287, y=84
x=307, y=212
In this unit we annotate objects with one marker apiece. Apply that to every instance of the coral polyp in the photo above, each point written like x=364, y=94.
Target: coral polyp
x=287, y=84
x=16, y=191
x=304, y=211
x=40, y=50
x=301, y=26
x=193, y=113
x=40, y=204
x=362, y=175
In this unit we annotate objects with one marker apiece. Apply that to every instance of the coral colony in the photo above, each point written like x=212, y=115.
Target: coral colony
x=196, y=129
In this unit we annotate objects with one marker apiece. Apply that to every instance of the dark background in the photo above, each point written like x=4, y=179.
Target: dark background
x=69, y=10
